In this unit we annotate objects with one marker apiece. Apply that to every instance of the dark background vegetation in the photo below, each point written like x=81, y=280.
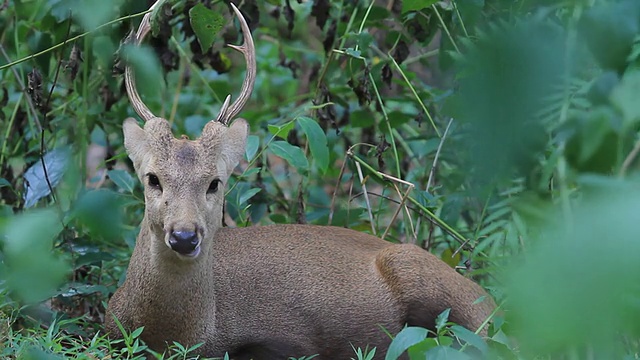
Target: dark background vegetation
x=501, y=135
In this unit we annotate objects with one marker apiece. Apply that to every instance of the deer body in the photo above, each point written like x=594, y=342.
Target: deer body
x=262, y=292
x=271, y=292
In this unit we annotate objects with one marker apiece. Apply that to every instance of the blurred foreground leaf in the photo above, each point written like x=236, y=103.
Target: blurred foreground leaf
x=33, y=272
x=504, y=79
x=148, y=74
x=101, y=212
x=579, y=286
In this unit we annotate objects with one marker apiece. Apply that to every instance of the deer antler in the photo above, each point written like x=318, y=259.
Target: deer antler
x=227, y=112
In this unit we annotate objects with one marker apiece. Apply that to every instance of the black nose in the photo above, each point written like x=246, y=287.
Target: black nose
x=183, y=242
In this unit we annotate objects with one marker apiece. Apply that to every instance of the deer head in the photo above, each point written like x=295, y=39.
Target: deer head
x=184, y=180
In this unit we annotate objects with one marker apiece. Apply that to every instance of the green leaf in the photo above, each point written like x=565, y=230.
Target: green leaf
x=317, y=140
x=363, y=39
x=625, y=97
x=253, y=143
x=593, y=133
x=446, y=353
x=292, y=154
x=100, y=212
x=89, y=13
x=353, y=53
x=137, y=332
x=75, y=288
x=123, y=179
x=206, y=24
x=609, y=29
x=146, y=67
x=406, y=338
x=4, y=182
x=419, y=350
x=34, y=272
x=470, y=337
x=441, y=320
x=415, y=5
x=248, y=195
x=281, y=131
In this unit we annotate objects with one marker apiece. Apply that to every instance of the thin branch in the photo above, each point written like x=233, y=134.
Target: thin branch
x=366, y=198
x=629, y=159
x=32, y=56
x=46, y=106
x=435, y=159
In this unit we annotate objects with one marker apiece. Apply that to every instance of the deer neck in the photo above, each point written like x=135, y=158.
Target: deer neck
x=171, y=291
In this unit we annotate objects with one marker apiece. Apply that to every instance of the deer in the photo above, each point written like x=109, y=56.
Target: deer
x=262, y=292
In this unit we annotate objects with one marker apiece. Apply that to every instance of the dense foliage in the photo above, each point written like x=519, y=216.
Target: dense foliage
x=501, y=135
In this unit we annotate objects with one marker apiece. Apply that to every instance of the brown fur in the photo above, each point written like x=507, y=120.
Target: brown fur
x=267, y=292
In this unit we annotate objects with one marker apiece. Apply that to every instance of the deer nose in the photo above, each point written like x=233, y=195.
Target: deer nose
x=184, y=242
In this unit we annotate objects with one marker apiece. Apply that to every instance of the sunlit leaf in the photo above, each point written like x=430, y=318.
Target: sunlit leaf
x=281, y=131
x=36, y=184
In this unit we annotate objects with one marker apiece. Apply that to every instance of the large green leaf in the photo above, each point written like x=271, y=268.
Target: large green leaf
x=206, y=24
x=292, y=154
x=123, y=179
x=317, y=141
x=405, y=339
x=470, y=337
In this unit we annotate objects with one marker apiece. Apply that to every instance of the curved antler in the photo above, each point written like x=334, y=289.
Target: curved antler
x=129, y=80
x=227, y=112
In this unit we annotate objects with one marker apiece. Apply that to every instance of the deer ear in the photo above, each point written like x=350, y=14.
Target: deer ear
x=227, y=142
x=135, y=141
x=236, y=142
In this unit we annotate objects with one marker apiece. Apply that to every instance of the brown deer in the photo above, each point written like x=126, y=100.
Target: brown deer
x=263, y=292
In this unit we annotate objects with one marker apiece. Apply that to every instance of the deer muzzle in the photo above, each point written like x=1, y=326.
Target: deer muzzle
x=186, y=243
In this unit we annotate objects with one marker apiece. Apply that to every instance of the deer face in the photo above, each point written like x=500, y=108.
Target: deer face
x=184, y=180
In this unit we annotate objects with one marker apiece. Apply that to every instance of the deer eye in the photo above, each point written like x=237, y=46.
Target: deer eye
x=213, y=187
x=153, y=181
